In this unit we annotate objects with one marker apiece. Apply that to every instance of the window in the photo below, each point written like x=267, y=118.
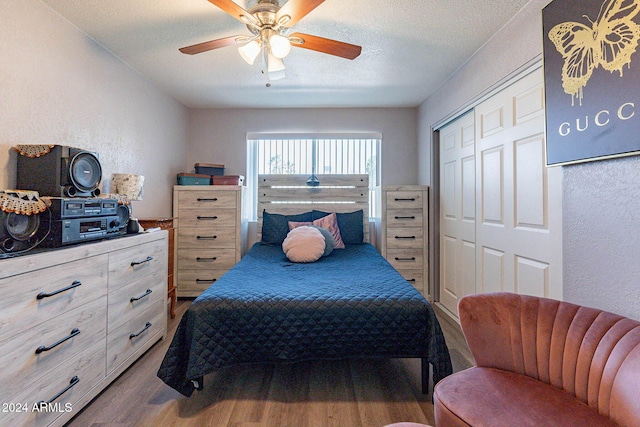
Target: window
x=298, y=154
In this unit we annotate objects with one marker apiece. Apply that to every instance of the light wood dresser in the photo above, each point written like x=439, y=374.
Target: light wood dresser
x=405, y=232
x=209, y=234
x=73, y=319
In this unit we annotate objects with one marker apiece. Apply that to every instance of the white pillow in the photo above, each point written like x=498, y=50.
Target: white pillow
x=304, y=244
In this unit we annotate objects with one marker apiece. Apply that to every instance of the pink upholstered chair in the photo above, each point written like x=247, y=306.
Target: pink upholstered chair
x=542, y=362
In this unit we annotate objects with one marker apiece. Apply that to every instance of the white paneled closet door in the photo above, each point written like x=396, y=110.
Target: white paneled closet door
x=519, y=199
x=517, y=213
x=457, y=211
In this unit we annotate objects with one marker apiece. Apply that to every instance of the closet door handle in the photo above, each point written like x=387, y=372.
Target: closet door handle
x=42, y=348
x=147, y=259
x=75, y=380
x=146, y=326
x=133, y=299
x=43, y=295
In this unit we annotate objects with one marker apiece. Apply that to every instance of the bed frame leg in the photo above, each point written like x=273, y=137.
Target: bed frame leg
x=425, y=375
x=198, y=383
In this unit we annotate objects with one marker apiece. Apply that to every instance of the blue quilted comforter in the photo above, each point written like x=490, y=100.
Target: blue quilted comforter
x=351, y=303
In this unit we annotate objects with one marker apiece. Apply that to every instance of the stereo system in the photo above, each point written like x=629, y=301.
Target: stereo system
x=77, y=220
x=69, y=178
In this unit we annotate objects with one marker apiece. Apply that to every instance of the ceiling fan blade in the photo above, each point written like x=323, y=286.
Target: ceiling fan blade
x=210, y=45
x=332, y=47
x=296, y=10
x=234, y=10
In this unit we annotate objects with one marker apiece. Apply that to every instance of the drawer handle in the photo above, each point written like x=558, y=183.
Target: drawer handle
x=43, y=295
x=412, y=199
x=405, y=217
x=146, y=326
x=75, y=380
x=405, y=237
x=205, y=280
x=207, y=217
x=411, y=280
x=141, y=296
x=199, y=259
x=147, y=259
x=201, y=199
x=42, y=348
x=405, y=259
x=206, y=237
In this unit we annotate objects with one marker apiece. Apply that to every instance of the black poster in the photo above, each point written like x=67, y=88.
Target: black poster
x=592, y=79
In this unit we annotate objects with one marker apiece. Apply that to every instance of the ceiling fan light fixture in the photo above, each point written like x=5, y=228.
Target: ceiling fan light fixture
x=279, y=45
x=250, y=51
x=275, y=67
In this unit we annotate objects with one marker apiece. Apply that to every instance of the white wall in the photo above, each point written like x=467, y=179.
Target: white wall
x=601, y=200
x=219, y=135
x=58, y=86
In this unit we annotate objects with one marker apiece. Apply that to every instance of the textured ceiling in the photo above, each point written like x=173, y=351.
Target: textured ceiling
x=409, y=48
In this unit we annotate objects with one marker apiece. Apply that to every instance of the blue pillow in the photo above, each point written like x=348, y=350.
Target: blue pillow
x=350, y=225
x=275, y=227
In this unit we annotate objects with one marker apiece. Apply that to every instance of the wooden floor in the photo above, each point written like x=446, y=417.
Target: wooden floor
x=324, y=393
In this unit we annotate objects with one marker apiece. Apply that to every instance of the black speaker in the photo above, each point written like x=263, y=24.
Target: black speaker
x=62, y=172
x=124, y=213
x=19, y=232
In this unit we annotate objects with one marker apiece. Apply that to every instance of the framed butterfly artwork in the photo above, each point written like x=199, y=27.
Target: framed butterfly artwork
x=592, y=79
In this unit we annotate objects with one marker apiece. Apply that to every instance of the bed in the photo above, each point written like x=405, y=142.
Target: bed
x=349, y=304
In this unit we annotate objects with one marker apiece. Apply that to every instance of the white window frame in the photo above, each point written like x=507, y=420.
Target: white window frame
x=253, y=141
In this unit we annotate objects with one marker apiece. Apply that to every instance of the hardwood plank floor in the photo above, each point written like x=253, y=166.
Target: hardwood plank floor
x=367, y=393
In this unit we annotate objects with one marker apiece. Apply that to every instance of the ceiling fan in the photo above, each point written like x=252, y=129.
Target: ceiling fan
x=269, y=24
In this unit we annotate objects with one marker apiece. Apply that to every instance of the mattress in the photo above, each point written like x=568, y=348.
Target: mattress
x=351, y=303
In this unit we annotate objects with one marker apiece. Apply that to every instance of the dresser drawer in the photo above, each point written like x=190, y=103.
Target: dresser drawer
x=197, y=280
x=133, y=335
x=73, y=332
x=402, y=259
x=206, y=258
x=206, y=199
x=132, y=264
x=200, y=238
x=78, y=375
x=414, y=277
x=404, y=200
x=405, y=237
x=404, y=218
x=134, y=298
x=207, y=218
x=69, y=285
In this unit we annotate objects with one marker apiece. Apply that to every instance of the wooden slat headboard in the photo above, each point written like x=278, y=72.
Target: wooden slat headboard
x=290, y=194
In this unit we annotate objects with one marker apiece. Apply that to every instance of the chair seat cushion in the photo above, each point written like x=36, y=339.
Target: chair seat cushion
x=493, y=397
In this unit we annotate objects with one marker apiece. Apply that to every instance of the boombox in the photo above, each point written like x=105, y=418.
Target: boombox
x=60, y=171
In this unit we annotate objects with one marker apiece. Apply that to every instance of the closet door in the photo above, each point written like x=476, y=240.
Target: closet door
x=457, y=211
x=518, y=199
x=500, y=206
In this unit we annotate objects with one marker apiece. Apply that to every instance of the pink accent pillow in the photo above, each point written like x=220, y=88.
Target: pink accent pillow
x=330, y=222
x=296, y=224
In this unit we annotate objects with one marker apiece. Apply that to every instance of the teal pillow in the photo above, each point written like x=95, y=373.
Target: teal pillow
x=329, y=241
x=350, y=225
x=275, y=227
